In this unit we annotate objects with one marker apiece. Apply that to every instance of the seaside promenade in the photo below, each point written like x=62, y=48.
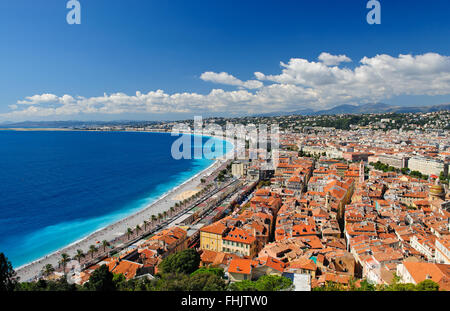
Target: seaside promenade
x=117, y=233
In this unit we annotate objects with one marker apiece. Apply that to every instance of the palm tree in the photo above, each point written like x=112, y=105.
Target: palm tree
x=137, y=229
x=105, y=244
x=64, y=260
x=79, y=255
x=92, y=250
x=47, y=270
x=145, y=225
x=154, y=218
x=129, y=232
x=165, y=214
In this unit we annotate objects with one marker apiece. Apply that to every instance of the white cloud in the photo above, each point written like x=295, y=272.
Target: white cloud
x=376, y=78
x=301, y=84
x=38, y=99
x=333, y=60
x=225, y=78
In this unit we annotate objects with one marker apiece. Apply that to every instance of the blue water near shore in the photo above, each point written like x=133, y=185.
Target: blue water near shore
x=58, y=187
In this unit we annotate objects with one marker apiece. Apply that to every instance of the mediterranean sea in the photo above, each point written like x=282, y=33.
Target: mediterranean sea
x=58, y=187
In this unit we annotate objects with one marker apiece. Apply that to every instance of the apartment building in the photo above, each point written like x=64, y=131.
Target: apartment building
x=428, y=166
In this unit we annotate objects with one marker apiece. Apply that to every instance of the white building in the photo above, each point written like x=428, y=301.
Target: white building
x=427, y=166
x=423, y=246
x=442, y=254
x=301, y=282
x=237, y=169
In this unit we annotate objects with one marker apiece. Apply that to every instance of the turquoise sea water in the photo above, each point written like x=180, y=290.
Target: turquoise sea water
x=57, y=187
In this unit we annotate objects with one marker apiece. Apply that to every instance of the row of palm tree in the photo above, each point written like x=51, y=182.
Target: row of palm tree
x=64, y=260
x=48, y=269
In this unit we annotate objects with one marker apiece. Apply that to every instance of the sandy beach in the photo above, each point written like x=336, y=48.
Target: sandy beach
x=108, y=233
x=186, y=194
x=29, y=271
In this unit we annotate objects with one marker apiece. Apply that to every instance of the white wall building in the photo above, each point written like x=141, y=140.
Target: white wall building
x=442, y=254
x=427, y=166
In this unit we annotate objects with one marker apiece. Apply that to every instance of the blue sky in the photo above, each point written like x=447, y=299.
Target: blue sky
x=124, y=47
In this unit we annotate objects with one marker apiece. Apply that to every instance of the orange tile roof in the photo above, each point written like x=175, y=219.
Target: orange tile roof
x=125, y=267
x=272, y=263
x=239, y=235
x=302, y=263
x=216, y=228
x=439, y=273
x=303, y=229
x=241, y=266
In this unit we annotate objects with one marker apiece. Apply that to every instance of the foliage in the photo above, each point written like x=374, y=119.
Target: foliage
x=384, y=167
x=216, y=271
x=8, y=279
x=396, y=286
x=264, y=183
x=444, y=179
x=267, y=283
x=185, y=262
x=171, y=282
x=60, y=285
x=206, y=281
x=330, y=287
x=272, y=283
x=427, y=285
x=405, y=171
x=243, y=286
x=101, y=280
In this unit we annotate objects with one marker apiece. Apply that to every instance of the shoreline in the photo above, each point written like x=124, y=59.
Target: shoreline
x=163, y=203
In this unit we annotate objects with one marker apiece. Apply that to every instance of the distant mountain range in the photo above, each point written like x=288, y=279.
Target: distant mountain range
x=70, y=124
x=361, y=109
x=342, y=109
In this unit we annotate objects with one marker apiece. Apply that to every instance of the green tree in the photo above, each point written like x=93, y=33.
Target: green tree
x=427, y=285
x=243, y=286
x=92, y=250
x=145, y=225
x=171, y=282
x=272, y=283
x=264, y=283
x=366, y=286
x=206, y=282
x=185, y=262
x=330, y=287
x=48, y=270
x=210, y=270
x=8, y=279
x=64, y=260
x=44, y=285
x=120, y=282
x=105, y=244
x=79, y=255
x=101, y=280
x=61, y=285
